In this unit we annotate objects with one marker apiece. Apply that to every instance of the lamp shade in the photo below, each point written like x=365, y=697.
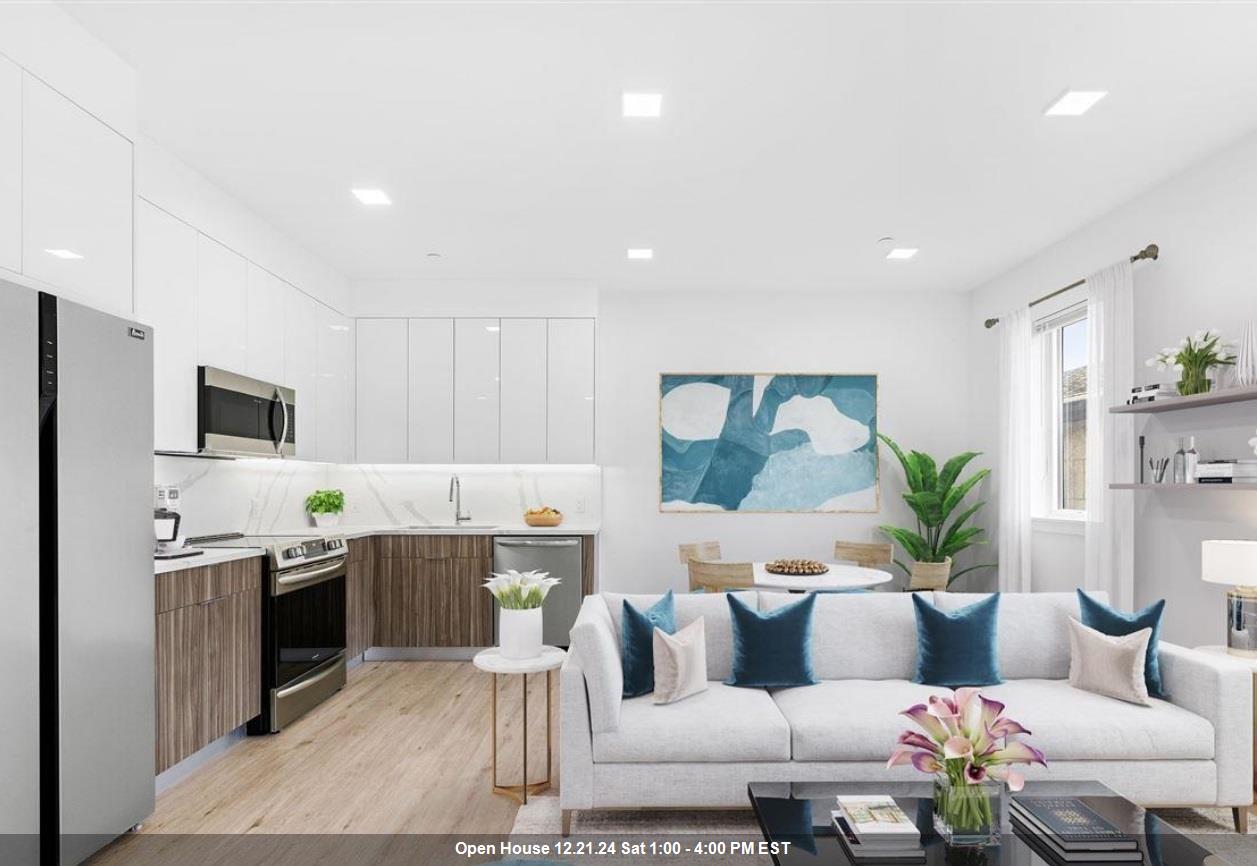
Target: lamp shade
x=1231, y=562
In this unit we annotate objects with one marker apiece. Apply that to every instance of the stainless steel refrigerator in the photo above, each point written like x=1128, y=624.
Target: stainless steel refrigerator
x=76, y=577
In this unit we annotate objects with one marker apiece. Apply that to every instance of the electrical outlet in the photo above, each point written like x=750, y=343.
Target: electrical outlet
x=581, y=504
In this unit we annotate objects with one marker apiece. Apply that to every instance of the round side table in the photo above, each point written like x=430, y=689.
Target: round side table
x=492, y=661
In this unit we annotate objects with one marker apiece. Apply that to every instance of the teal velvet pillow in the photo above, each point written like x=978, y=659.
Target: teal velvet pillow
x=773, y=649
x=637, y=643
x=1114, y=623
x=957, y=648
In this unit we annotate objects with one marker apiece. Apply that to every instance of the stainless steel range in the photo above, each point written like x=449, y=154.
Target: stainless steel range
x=303, y=622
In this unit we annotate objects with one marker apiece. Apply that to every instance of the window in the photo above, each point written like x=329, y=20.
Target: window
x=1063, y=436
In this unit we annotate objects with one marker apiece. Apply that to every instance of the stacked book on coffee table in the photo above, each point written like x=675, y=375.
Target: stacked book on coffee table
x=876, y=830
x=1066, y=830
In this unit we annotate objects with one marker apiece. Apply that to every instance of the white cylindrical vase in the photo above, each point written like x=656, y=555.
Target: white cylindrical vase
x=519, y=633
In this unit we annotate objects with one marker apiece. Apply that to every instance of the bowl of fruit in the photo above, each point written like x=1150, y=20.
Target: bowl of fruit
x=543, y=516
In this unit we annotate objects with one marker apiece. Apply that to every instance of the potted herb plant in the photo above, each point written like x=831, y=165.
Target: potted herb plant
x=325, y=506
x=520, y=596
x=1193, y=358
x=934, y=495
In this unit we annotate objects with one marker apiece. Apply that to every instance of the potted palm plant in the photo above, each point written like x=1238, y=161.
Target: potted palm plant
x=934, y=495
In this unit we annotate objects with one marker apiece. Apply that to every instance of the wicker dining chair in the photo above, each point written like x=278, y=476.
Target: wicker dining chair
x=708, y=550
x=707, y=576
x=865, y=554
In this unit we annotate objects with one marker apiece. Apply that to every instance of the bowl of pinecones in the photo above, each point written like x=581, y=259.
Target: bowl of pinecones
x=796, y=567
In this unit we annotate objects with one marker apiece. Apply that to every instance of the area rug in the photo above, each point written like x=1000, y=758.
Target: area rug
x=1210, y=828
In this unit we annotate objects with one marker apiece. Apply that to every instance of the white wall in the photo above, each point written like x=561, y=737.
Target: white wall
x=1205, y=222
x=909, y=340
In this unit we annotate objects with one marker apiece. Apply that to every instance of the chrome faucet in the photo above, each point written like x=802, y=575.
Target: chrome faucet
x=456, y=496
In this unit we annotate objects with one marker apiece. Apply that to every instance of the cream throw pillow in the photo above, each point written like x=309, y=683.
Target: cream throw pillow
x=1107, y=665
x=680, y=663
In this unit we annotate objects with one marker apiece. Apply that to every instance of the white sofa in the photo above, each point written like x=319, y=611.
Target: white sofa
x=1194, y=749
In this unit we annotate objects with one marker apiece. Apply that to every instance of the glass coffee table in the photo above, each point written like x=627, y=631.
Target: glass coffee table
x=798, y=813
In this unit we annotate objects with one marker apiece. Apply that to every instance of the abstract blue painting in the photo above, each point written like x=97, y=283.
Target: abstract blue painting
x=768, y=442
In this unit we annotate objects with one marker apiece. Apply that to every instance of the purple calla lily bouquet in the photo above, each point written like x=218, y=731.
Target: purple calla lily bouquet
x=967, y=741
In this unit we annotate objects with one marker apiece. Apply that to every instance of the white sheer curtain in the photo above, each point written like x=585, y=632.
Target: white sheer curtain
x=1109, y=563
x=1016, y=446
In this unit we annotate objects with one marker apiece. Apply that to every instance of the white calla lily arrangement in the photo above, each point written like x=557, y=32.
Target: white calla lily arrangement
x=517, y=590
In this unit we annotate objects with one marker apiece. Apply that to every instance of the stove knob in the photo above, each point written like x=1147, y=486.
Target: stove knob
x=293, y=552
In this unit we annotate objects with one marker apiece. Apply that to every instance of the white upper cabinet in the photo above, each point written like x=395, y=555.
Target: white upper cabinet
x=334, y=403
x=382, y=373
x=522, y=435
x=570, y=401
x=431, y=391
x=165, y=297
x=476, y=372
x=10, y=166
x=222, y=303
x=301, y=365
x=76, y=201
x=264, y=332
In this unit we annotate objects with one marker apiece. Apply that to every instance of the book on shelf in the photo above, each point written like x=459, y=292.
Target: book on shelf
x=1237, y=481
x=878, y=820
x=1070, y=824
x=1044, y=844
x=860, y=852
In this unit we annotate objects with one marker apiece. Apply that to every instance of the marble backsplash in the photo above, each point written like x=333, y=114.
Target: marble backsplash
x=265, y=496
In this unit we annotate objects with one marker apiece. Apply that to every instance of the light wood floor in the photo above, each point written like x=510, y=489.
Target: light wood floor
x=405, y=747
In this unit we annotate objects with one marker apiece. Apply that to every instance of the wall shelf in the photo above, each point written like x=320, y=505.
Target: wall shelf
x=1213, y=398
x=1251, y=488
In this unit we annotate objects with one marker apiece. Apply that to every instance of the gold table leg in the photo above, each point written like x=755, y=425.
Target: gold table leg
x=520, y=792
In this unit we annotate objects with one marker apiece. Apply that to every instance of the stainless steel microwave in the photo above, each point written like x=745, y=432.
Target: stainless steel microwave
x=240, y=416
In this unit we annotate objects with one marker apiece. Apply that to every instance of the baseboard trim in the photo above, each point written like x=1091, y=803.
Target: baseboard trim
x=420, y=653
x=207, y=754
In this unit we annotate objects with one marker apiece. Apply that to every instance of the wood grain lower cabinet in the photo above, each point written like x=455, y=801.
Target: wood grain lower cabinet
x=209, y=655
x=359, y=589
x=181, y=676
x=429, y=591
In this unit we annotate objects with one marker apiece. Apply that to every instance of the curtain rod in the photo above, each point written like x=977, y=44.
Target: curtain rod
x=1149, y=252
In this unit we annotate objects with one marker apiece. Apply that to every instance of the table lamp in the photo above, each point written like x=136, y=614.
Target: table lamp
x=1234, y=563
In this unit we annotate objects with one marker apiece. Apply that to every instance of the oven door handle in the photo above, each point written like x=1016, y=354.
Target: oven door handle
x=294, y=580
x=307, y=683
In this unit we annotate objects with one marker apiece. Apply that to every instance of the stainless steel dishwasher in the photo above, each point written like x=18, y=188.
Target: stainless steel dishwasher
x=558, y=555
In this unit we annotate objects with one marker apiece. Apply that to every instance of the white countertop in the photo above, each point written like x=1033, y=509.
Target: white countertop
x=212, y=556
x=218, y=554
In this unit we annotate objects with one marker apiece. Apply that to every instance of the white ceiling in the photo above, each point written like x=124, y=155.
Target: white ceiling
x=793, y=135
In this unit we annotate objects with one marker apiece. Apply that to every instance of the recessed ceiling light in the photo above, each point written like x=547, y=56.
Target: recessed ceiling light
x=372, y=196
x=1075, y=102
x=641, y=254
x=64, y=254
x=901, y=253
x=642, y=104
x=493, y=329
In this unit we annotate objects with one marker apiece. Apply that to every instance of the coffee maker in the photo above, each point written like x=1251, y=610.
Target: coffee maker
x=166, y=527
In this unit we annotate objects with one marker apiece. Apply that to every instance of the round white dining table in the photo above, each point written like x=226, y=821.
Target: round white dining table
x=841, y=575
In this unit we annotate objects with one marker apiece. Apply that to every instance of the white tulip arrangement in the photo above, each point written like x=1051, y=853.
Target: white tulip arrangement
x=521, y=590
x=1193, y=358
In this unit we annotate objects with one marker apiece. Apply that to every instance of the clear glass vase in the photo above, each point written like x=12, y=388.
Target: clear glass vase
x=1194, y=382
x=966, y=814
